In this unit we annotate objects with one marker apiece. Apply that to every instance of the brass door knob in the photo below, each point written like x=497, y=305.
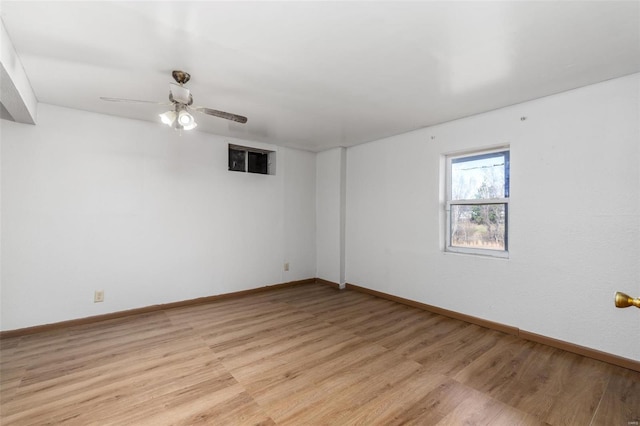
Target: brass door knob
x=624, y=301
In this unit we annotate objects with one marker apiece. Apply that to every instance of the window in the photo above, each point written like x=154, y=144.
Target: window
x=252, y=160
x=478, y=203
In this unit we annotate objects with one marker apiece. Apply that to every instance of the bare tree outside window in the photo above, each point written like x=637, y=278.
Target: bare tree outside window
x=478, y=201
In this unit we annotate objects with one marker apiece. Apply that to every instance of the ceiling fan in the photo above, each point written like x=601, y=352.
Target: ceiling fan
x=181, y=102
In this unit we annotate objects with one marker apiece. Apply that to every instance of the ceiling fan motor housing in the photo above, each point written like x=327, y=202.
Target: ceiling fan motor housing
x=181, y=77
x=180, y=94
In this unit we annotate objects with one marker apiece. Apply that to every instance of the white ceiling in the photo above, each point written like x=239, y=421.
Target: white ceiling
x=316, y=75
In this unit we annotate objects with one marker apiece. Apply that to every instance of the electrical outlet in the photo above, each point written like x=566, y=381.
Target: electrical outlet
x=98, y=296
x=286, y=266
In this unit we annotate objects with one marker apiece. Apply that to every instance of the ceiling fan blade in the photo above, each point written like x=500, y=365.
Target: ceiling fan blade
x=222, y=114
x=136, y=101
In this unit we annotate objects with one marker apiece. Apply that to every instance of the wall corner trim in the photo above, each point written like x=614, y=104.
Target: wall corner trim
x=146, y=309
x=436, y=310
x=508, y=329
x=582, y=350
x=329, y=283
x=549, y=341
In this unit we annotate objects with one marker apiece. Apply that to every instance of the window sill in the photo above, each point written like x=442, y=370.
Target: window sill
x=479, y=253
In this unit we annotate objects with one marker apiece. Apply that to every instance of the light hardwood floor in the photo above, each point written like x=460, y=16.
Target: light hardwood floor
x=304, y=355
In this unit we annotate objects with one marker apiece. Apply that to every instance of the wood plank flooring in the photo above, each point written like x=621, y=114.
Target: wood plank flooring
x=304, y=355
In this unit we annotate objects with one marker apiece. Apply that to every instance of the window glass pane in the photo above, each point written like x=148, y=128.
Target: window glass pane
x=483, y=176
x=258, y=162
x=479, y=226
x=236, y=160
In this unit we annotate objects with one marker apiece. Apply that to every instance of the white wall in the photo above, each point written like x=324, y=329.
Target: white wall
x=97, y=202
x=152, y=217
x=330, y=215
x=299, y=213
x=574, y=217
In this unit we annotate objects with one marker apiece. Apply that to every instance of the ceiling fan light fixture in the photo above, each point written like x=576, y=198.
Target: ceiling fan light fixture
x=181, y=99
x=193, y=125
x=168, y=117
x=186, y=120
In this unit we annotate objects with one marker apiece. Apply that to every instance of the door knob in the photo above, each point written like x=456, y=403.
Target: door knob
x=624, y=301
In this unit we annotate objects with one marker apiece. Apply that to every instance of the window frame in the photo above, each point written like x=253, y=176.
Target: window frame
x=449, y=159
x=270, y=158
